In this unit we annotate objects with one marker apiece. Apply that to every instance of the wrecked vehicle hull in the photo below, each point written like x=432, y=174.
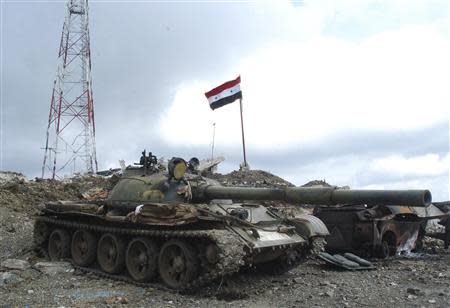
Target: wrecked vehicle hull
x=378, y=231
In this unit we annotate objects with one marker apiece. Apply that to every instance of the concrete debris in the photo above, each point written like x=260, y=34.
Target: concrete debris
x=317, y=183
x=10, y=179
x=15, y=264
x=29, y=196
x=253, y=178
x=95, y=193
x=53, y=268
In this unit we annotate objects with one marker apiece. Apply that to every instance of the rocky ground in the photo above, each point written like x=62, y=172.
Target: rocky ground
x=416, y=280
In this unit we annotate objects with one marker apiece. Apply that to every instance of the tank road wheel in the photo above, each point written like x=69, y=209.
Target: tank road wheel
x=141, y=259
x=178, y=263
x=84, y=248
x=111, y=253
x=59, y=244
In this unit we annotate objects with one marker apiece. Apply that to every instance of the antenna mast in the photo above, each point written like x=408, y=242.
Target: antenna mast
x=70, y=138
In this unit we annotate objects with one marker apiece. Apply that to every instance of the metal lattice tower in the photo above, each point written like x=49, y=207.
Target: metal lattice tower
x=70, y=139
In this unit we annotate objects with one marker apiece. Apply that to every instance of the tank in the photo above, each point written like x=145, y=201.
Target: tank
x=183, y=230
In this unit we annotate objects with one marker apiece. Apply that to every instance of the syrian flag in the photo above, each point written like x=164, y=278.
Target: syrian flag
x=224, y=94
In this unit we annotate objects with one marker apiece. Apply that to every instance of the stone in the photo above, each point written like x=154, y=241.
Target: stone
x=30, y=291
x=432, y=301
x=415, y=291
x=116, y=300
x=30, y=273
x=329, y=293
x=53, y=268
x=9, y=278
x=10, y=228
x=298, y=280
x=15, y=264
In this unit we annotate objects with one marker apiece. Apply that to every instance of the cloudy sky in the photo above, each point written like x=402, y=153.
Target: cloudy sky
x=353, y=92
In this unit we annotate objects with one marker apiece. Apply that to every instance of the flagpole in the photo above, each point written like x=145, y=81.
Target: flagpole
x=214, y=134
x=242, y=129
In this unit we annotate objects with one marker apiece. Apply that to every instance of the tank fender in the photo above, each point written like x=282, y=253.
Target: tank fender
x=309, y=226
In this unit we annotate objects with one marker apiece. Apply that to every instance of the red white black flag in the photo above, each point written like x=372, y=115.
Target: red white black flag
x=224, y=94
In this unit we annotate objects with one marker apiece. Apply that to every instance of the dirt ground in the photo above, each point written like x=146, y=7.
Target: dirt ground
x=416, y=280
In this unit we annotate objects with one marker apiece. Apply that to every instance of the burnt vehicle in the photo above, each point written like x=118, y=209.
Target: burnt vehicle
x=186, y=230
x=372, y=231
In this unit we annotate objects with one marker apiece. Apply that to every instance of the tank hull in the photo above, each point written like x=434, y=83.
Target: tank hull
x=220, y=246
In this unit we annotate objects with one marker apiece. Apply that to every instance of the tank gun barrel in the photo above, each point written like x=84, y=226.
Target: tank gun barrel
x=318, y=196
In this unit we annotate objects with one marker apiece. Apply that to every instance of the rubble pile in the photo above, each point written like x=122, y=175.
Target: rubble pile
x=254, y=178
x=317, y=183
x=21, y=195
x=21, y=199
x=9, y=179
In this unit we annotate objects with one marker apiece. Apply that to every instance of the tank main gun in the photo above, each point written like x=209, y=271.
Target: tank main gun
x=314, y=195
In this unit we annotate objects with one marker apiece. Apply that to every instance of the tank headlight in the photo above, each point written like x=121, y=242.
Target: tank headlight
x=180, y=170
x=177, y=168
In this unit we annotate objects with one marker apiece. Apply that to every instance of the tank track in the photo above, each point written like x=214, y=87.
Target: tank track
x=231, y=256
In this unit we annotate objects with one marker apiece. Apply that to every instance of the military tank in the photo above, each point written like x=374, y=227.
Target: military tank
x=183, y=230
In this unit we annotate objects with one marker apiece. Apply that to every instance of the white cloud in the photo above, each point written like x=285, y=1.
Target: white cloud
x=426, y=165
x=297, y=93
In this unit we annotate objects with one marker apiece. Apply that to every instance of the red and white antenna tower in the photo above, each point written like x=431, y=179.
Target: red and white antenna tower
x=70, y=139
